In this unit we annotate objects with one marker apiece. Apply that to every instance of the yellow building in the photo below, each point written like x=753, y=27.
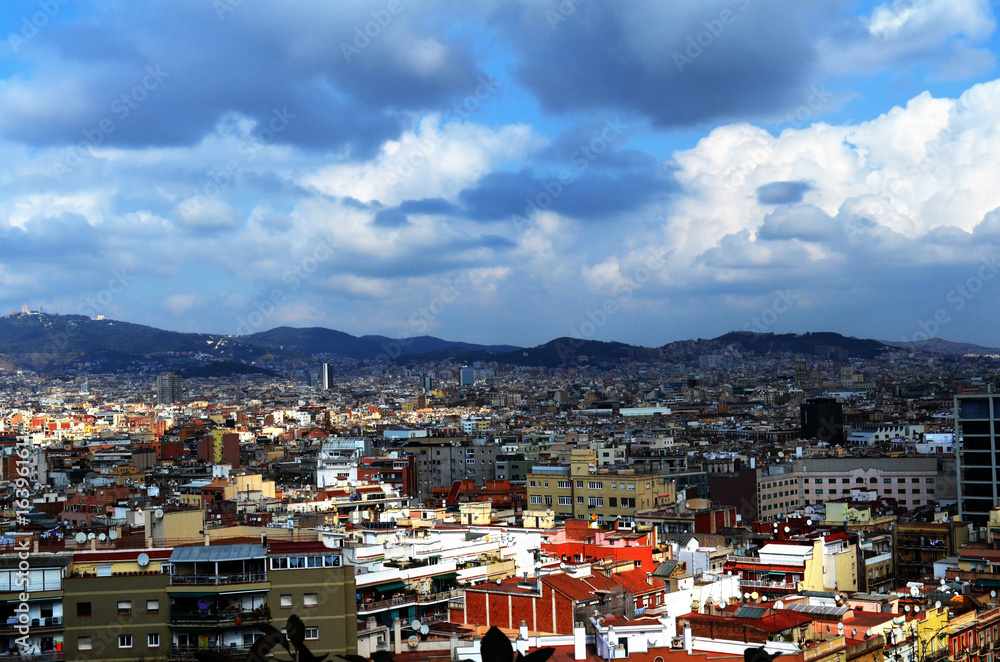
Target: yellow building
x=582, y=491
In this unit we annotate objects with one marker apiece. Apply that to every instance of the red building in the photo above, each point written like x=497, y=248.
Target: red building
x=398, y=472
x=549, y=603
x=577, y=542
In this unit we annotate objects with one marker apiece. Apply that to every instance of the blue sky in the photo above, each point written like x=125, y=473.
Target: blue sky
x=505, y=171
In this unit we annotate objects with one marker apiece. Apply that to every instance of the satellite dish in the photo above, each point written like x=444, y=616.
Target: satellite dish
x=548, y=511
x=840, y=628
x=102, y=537
x=937, y=605
x=943, y=581
x=779, y=605
x=809, y=522
x=413, y=641
x=424, y=629
x=81, y=537
x=787, y=529
x=854, y=632
x=916, y=610
x=993, y=594
x=907, y=608
x=869, y=632
x=755, y=595
x=143, y=559
x=113, y=535
x=90, y=536
x=415, y=624
x=158, y=513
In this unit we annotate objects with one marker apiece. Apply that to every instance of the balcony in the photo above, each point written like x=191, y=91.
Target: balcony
x=233, y=618
x=767, y=586
x=47, y=656
x=443, y=596
x=217, y=580
x=367, y=608
x=50, y=623
x=189, y=652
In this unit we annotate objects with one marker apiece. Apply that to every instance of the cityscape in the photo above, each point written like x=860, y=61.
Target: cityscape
x=541, y=330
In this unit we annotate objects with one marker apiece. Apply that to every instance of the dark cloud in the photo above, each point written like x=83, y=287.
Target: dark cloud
x=167, y=73
x=574, y=191
x=390, y=218
x=428, y=206
x=783, y=193
x=678, y=64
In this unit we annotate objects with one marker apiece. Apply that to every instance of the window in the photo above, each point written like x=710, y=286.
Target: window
x=546, y=483
x=153, y=640
x=124, y=641
x=914, y=480
x=152, y=606
x=565, y=484
x=310, y=599
x=82, y=609
x=312, y=634
x=536, y=499
x=596, y=501
x=845, y=480
x=819, y=491
x=579, y=484
x=286, y=600
x=873, y=480
x=819, y=480
x=614, y=486
x=84, y=643
x=548, y=500
x=613, y=502
x=594, y=485
x=124, y=607
x=631, y=486
x=104, y=570
x=930, y=480
x=579, y=500
x=531, y=483
x=565, y=501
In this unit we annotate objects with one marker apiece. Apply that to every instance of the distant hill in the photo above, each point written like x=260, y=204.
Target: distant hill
x=940, y=346
x=46, y=342
x=806, y=343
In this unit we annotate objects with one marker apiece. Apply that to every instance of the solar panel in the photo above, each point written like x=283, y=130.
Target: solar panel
x=818, y=610
x=750, y=612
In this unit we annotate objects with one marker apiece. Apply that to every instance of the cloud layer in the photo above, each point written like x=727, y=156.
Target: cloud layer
x=500, y=173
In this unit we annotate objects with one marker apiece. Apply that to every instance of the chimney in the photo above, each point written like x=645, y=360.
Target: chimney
x=397, y=635
x=579, y=642
x=688, y=639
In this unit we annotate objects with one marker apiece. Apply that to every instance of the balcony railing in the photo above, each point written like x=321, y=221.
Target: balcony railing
x=782, y=586
x=47, y=656
x=252, y=616
x=443, y=596
x=391, y=603
x=216, y=580
x=35, y=623
x=188, y=652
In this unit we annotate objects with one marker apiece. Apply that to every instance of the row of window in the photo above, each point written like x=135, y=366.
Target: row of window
x=84, y=609
x=86, y=642
x=591, y=485
x=626, y=502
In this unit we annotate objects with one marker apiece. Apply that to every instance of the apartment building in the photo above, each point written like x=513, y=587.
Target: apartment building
x=977, y=441
x=168, y=603
x=582, y=491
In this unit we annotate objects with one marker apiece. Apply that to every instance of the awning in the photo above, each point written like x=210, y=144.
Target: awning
x=448, y=576
x=389, y=586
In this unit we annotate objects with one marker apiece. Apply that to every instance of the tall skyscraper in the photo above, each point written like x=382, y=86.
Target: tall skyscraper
x=977, y=450
x=169, y=388
x=823, y=419
x=327, y=376
x=467, y=376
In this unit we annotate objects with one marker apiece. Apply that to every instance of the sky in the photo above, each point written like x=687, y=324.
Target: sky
x=505, y=172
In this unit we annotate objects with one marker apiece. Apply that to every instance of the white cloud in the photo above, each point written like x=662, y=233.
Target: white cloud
x=432, y=161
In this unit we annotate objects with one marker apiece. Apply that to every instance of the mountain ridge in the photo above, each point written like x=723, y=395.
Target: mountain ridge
x=45, y=341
